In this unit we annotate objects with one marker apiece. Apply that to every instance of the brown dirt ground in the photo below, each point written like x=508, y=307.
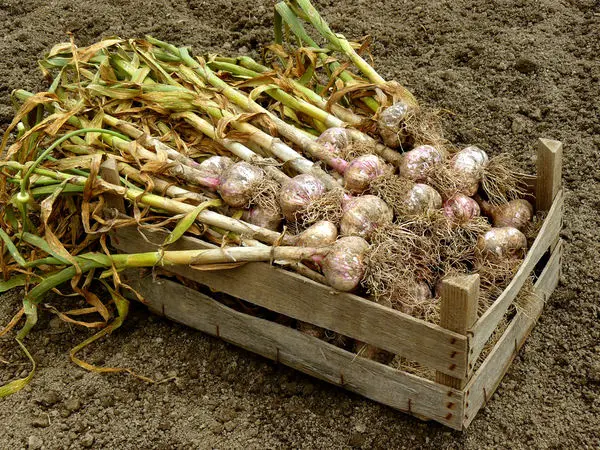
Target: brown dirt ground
x=506, y=71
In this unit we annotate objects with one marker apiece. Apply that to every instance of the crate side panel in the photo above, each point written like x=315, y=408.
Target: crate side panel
x=487, y=378
x=300, y=298
x=488, y=322
x=305, y=353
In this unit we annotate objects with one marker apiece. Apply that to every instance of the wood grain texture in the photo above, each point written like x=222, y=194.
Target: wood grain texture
x=487, y=378
x=487, y=323
x=550, y=276
x=458, y=312
x=308, y=354
x=549, y=171
x=303, y=299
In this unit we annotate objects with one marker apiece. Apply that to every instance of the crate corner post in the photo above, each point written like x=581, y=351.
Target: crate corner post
x=460, y=300
x=549, y=171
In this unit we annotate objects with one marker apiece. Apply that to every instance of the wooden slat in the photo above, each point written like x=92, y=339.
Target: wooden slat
x=487, y=378
x=550, y=276
x=530, y=187
x=488, y=322
x=549, y=171
x=303, y=299
x=376, y=381
x=460, y=296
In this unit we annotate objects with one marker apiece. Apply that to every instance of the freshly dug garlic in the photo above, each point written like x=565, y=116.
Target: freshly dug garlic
x=335, y=140
x=320, y=234
x=343, y=266
x=420, y=199
x=390, y=124
x=419, y=292
x=297, y=193
x=213, y=168
x=363, y=215
x=516, y=213
x=416, y=163
x=503, y=243
x=469, y=163
x=362, y=171
x=461, y=208
x=269, y=219
x=239, y=182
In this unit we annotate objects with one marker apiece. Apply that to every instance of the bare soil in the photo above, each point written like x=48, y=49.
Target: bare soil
x=505, y=72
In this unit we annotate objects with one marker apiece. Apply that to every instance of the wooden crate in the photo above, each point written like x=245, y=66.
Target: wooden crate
x=452, y=350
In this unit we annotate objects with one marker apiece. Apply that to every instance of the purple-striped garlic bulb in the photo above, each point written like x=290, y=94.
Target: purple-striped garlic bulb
x=239, y=183
x=461, y=208
x=362, y=171
x=416, y=164
x=343, y=266
x=297, y=193
x=213, y=168
x=419, y=292
x=263, y=217
x=335, y=140
x=363, y=215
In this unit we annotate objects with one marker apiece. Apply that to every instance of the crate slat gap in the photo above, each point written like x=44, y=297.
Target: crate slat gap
x=458, y=392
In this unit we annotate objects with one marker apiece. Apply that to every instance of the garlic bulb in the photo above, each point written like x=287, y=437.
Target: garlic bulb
x=461, y=208
x=503, y=243
x=319, y=234
x=297, y=193
x=516, y=213
x=335, y=140
x=420, y=199
x=362, y=170
x=415, y=164
x=213, y=168
x=263, y=217
x=470, y=163
x=239, y=182
x=390, y=124
x=343, y=266
x=363, y=215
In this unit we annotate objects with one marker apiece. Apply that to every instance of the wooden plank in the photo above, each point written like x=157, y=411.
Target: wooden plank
x=487, y=378
x=310, y=355
x=303, y=299
x=486, y=324
x=550, y=276
x=549, y=171
x=458, y=312
x=109, y=172
x=530, y=187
